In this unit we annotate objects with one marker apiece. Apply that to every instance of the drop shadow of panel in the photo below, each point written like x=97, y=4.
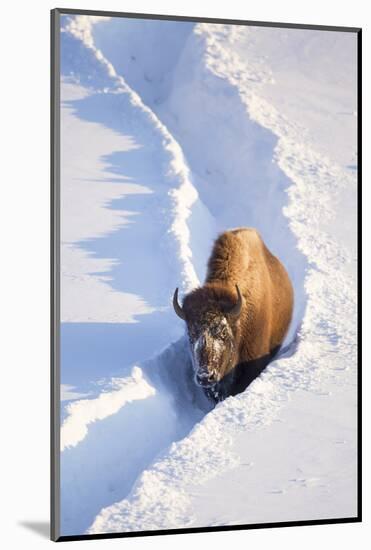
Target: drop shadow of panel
x=42, y=528
x=92, y=351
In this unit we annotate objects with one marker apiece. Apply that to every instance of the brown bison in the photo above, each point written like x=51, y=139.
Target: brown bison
x=237, y=320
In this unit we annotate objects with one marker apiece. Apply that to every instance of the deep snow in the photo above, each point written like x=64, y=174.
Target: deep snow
x=165, y=142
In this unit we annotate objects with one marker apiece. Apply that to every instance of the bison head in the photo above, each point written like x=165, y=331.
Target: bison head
x=211, y=315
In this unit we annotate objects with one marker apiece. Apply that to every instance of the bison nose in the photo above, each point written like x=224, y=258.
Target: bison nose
x=204, y=379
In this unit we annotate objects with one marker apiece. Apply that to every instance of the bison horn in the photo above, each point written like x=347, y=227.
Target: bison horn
x=236, y=309
x=177, y=308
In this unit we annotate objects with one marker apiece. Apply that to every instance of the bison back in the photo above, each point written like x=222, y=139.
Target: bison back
x=240, y=256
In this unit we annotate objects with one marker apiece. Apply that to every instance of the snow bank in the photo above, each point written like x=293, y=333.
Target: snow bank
x=84, y=412
x=161, y=497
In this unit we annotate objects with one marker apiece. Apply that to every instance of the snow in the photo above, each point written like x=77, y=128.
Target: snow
x=225, y=126
x=84, y=412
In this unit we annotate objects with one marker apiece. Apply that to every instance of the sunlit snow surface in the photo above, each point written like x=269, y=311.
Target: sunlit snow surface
x=172, y=132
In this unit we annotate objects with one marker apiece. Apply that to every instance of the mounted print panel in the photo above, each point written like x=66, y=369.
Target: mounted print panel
x=204, y=339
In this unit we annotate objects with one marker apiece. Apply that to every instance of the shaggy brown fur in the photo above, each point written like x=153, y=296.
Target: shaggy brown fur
x=240, y=257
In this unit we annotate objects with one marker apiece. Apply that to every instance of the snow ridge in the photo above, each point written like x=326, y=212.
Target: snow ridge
x=85, y=411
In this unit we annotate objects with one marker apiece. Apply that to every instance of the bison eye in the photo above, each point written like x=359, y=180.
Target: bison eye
x=220, y=331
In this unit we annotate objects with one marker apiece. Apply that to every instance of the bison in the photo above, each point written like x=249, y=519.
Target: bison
x=237, y=321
